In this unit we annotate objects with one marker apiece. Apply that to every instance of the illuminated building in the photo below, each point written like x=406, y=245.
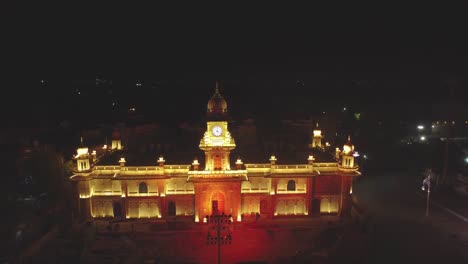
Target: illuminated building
x=219, y=182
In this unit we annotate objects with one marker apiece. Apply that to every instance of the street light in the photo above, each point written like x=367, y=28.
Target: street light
x=219, y=222
x=427, y=184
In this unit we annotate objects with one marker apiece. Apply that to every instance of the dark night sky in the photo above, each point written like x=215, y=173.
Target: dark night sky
x=384, y=56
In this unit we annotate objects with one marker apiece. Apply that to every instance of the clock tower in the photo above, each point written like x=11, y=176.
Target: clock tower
x=217, y=141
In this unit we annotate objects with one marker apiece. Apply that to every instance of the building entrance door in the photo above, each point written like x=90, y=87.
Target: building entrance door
x=217, y=203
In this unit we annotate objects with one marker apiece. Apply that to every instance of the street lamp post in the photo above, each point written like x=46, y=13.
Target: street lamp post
x=220, y=222
x=427, y=182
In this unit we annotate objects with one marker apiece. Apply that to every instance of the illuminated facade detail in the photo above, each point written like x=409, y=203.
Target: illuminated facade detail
x=200, y=188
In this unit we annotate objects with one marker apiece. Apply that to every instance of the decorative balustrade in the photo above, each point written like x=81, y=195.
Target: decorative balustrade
x=180, y=191
x=138, y=194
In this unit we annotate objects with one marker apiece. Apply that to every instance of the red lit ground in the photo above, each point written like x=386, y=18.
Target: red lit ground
x=273, y=241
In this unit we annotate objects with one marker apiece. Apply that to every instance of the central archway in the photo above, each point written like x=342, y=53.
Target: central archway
x=217, y=203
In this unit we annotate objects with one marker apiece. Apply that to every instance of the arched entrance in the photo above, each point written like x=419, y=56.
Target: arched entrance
x=217, y=203
x=171, y=208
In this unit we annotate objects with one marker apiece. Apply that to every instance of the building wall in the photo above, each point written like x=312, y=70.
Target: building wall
x=267, y=196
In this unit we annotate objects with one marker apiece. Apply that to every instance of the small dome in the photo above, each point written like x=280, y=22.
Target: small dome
x=217, y=104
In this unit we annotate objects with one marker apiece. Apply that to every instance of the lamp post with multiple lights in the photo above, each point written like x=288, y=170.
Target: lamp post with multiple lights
x=220, y=223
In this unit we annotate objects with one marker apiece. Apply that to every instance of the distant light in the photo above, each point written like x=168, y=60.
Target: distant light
x=356, y=154
x=466, y=160
x=357, y=116
x=433, y=126
x=422, y=138
x=323, y=112
x=365, y=156
x=344, y=108
x=420, y=127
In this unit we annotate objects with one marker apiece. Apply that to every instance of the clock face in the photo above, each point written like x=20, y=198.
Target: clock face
x=217, y=131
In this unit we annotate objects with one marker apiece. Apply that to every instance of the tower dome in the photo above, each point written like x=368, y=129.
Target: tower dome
x=217, y=104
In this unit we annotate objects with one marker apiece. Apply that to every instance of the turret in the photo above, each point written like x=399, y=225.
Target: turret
x=195, y=163
x=116, y=141
x=317, y=138
x=273, y=160
x=161, y=161
x=347, y=157
x=239, y=163
x=122, y=162
x=82, y=158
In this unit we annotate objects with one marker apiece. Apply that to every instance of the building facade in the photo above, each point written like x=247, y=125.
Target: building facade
x=218, y=183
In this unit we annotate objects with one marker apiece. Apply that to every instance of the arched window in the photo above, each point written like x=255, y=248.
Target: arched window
x=291, y=185
x=142, y=188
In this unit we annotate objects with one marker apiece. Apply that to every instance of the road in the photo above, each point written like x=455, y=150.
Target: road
x=402, y=232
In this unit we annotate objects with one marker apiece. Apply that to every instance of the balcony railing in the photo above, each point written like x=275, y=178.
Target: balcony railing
x=255, y=190
x=106, y=193
x=286, y=191
x=138, y=194
x=180, y=191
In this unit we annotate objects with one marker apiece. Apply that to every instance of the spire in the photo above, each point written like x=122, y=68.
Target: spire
x=218, y=86
x=349, y=138
x=316, y=124
x=81, y=141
